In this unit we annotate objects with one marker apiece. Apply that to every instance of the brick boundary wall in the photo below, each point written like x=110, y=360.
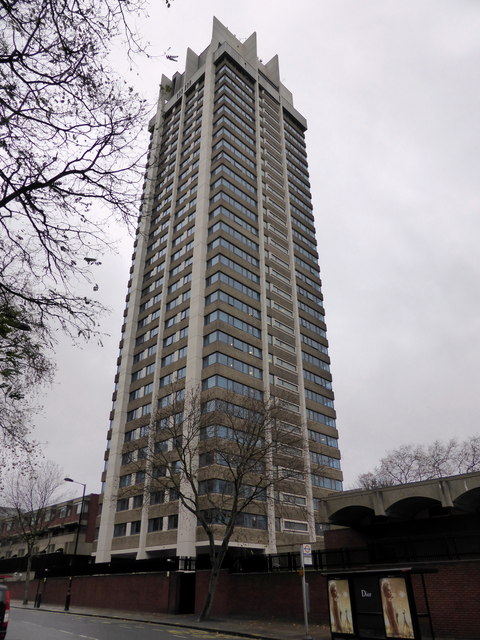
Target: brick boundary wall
x=453, y=594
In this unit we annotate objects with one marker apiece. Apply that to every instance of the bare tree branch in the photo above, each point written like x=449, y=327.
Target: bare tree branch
x=26, y=495
x=411, y=463
x=70, y=165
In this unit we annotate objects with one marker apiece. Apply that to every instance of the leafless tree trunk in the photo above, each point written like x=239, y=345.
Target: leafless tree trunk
x=240, y=438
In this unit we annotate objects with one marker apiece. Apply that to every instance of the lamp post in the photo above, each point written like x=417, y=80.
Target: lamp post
x=70, y=579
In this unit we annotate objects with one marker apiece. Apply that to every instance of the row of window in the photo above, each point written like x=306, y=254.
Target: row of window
x=154, y=524
x=229, y=172
x=233, y=321
x=236, y=343
x=221, y=296
x=225, y=91
x=223, y=226
x=221, y=195
x=224, y=120
x=233, y=216
x=233, y=248
x=231, y=385
x=230, y=73
x=238, y=154
x=326, y=461
x=233, y=114
x=221, y=259
x=218, y=357
x=223, y=155
x=223, y=182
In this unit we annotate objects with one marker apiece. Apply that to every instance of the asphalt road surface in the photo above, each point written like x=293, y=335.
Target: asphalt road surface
x=28, y=624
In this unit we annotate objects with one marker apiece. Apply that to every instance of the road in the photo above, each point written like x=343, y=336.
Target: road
x=29, y=624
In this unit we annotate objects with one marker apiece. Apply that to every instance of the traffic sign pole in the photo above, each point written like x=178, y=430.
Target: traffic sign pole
x=305, y=558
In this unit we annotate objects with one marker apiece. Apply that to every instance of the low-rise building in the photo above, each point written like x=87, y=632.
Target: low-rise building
x=66, y=528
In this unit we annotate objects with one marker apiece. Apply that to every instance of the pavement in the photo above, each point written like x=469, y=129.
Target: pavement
x=260, y=629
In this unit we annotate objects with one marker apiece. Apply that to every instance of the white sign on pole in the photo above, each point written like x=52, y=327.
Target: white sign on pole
x=307, y=554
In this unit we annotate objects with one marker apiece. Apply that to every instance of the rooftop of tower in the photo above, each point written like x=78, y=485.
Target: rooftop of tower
x=245, y=54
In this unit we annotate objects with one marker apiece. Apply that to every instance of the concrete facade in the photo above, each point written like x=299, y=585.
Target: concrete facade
x=224, y=297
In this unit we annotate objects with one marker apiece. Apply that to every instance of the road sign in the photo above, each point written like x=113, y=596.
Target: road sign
x=307, y=554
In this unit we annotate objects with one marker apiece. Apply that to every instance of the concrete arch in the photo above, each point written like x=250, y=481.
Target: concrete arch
x=468, y=501
x=353, y=515
x=412, y=507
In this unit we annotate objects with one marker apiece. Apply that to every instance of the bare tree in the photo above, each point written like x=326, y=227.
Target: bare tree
x=411, y=463
x=23, y=366
x=26, y=497
x=69, y=160
x=221, y=460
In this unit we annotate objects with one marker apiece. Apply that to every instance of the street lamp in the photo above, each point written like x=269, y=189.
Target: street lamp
x=69, y=590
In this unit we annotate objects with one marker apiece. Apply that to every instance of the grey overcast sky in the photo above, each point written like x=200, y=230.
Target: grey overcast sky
x=391, y=93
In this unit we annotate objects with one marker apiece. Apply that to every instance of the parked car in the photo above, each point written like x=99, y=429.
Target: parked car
x=4, y=610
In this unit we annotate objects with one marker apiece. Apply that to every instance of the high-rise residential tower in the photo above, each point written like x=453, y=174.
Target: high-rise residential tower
x=224, y=298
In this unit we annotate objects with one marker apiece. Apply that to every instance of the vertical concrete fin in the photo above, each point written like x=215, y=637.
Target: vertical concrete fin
x=273, y=69
x=249, y=49
x=191, y=64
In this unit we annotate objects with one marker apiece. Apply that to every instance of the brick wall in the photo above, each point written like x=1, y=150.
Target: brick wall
x=453, y=595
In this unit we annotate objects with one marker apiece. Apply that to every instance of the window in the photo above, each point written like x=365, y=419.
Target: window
x=120, y=530
x=279, y=362
x=146, y=409
x=231, y=385
x=233, y=321
x=295, y=526
x=326, y=483
x=321, y=438
x=122, y=505
x=279, y=307
x=137, y=501
x=126, y=480
x=157, y=497
x=317, y=397
x=130, y=436
x=232, y=216
x=231, y=264
x=252, y=521
x=173, y=521
x=285, y=384
x=325, y=461
x=173, y=357
x=161, y=447
x=313, y=377
x=307, y=357
x=311, y=311
x=135, y=527
x=236, y=343
x=316, y=416
x=277, y=342
x=245, y=184
x=221, y=195
x=232, y=302
x=127, y=457
x=155, y=524
x=231, y=282
x=312, y=297
x=172, y=377
x=222, y=242
x=238, y=365
x=293, y=499
x=277, y=324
